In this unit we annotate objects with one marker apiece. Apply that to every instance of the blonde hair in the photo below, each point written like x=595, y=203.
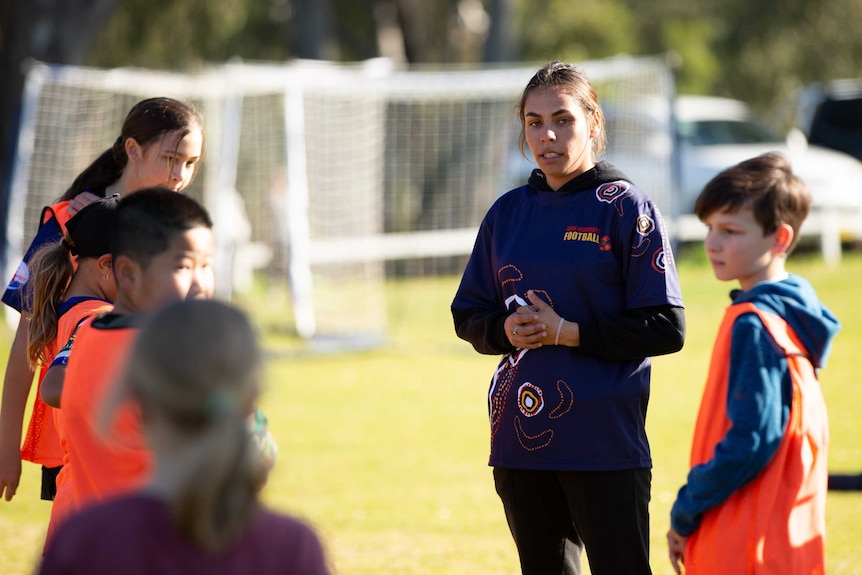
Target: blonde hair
x=87, y=237
x=52, y=269
x=196, y=366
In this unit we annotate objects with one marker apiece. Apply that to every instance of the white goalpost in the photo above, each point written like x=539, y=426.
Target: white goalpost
x=328, y=178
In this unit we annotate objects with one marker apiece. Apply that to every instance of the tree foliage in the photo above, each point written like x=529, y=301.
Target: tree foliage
x=759, y=51
x=59, y=31
x=165, y=34
x=756, y=51
x=771, y=47
x=576, y=31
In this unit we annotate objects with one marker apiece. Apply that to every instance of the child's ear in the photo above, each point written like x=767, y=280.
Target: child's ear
x=105, y=265
x=783, y=239
x=133, y=149
x=127, y=273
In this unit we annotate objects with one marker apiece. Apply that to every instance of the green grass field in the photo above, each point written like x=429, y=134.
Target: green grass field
x=386, y=451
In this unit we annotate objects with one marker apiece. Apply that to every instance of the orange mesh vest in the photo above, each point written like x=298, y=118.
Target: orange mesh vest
x=775, y=523
x=41, y=442
x=97, y=465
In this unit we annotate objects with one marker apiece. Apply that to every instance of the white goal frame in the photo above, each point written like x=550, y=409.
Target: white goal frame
x=308, y=190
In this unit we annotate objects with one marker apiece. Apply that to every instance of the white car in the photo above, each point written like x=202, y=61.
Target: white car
x=716, y=133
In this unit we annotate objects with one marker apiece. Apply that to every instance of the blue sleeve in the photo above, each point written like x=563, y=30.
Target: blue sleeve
x=478, y=310
x=13, y=296
x=478, y=287
x=758, y=406
x=650, y=270
x=62, y=357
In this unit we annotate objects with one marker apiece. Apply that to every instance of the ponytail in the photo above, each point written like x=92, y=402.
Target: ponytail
x=194, y=371
x=51, y=271
x=220, y=492
x=104, y=171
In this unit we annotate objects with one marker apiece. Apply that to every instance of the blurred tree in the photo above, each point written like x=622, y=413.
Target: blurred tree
x=425, y=29
x=693, y=37
x=687, y=28
x=771, y=47
x=165, y=34
x=576, y=31
x=179, y=35
x=356, y=29
x=501, y=44
x=760, y=52
x=58, y=31
x=756, y=51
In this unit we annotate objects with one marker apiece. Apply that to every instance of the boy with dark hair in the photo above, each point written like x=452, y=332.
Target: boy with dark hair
x=756, y=493
x=162, y=252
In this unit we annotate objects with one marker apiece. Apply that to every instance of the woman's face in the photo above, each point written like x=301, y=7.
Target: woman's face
x=168, y=161
x=559, y=134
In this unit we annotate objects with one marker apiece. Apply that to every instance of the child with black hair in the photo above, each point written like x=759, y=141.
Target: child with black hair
x=162, y=252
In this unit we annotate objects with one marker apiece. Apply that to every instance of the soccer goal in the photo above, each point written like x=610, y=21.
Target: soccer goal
x=328, y=178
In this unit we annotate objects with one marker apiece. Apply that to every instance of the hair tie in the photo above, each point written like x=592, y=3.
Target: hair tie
x=218, y=404
x=71, y=247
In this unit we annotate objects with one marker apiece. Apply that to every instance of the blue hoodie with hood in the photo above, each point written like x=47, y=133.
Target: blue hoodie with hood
x=759, y=394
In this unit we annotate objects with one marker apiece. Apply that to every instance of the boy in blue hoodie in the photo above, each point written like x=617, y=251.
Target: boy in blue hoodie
x=755, y=497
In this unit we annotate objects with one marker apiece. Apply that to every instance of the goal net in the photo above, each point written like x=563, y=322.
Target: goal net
x=324, y=179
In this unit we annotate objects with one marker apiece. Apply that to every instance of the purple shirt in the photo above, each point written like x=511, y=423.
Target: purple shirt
x=134, y=535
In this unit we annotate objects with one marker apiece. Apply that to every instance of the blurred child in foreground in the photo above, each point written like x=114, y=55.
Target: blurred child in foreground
x=194, y=371
x=755, y=497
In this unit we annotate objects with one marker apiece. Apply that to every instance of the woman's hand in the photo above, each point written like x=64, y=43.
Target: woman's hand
x=528, y=327
x=524, y=329
x=558, y=331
